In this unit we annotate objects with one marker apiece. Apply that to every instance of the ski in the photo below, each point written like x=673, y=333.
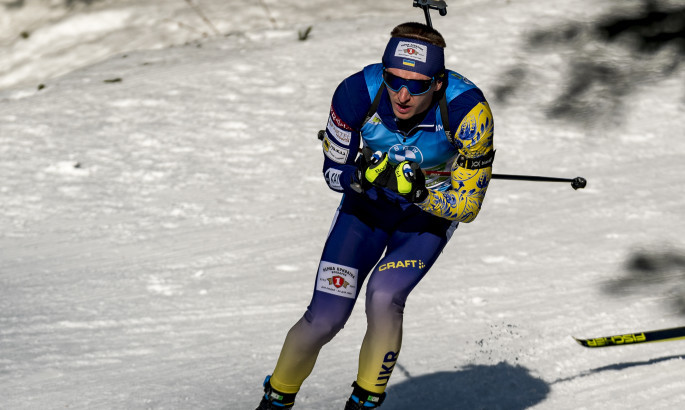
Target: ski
x=652, y=336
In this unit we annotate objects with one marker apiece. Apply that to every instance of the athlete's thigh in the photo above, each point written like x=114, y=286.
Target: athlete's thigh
x=352, y=249
x=412, y=250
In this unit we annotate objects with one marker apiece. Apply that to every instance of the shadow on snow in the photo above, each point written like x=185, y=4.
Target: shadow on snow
x=605, y=60
x=656, y=273
x=500, y=386
x=620, y=366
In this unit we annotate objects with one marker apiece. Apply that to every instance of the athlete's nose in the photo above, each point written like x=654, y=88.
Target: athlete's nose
x=403, y=95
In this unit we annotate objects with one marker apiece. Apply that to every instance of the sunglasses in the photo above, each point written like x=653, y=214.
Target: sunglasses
x=415, y=87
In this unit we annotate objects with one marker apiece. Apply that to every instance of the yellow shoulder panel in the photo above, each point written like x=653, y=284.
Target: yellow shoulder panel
x=476, y=131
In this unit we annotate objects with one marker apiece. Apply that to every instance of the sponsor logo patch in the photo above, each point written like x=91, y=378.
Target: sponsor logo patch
x=333, y=178
x=461, y=77
x=340, y=134
x=337, y=280
x=410, y=263
x=375, y=120
x=339, y=122
x=400, y=152
x=334, y=151
x=412, y=51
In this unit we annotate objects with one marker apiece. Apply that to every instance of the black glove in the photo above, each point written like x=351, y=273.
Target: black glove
x=410, y=181
x=354, y=179
x=375, y=167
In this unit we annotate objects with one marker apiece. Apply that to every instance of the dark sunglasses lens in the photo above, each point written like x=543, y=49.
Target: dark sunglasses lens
x=392, y=81
x=413, y=86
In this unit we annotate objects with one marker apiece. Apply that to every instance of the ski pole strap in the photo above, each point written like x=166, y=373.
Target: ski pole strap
x=476, y=163
x=445, y=117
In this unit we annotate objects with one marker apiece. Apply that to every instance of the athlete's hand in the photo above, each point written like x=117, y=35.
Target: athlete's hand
x=345, y=177
x=411, y=183
x=376, y=168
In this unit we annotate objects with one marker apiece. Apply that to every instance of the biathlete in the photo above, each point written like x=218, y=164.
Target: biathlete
x=408, y=114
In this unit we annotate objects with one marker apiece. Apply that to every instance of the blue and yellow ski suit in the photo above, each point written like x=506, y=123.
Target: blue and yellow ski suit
x=378, y=234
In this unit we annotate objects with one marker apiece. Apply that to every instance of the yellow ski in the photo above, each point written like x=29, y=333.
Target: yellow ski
x=663, y=335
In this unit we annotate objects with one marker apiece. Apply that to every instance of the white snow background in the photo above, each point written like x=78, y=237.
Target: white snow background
x=162, y=208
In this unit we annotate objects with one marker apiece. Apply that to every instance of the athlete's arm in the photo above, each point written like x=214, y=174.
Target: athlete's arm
x=463, y=201
x=341, y=143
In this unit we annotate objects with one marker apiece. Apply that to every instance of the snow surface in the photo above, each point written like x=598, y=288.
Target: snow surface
x=163, y=210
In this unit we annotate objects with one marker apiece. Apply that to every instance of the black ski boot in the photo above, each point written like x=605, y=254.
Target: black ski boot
x=275, y=400
x=362, y=399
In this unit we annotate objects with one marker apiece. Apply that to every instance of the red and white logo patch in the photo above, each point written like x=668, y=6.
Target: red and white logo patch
x=415, y=51
x=338, y=121
x=337, y=280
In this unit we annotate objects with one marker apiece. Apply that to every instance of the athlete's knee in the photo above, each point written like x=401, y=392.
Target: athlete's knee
x=380, y=301
x=325, y=325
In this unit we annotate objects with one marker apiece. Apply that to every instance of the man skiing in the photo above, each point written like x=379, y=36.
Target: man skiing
x=411, y=116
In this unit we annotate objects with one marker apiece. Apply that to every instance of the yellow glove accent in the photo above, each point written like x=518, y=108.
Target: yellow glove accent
x=404, y=185
x=378, y=164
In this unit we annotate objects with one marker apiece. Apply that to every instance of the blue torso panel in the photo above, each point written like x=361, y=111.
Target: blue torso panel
x=426, y=144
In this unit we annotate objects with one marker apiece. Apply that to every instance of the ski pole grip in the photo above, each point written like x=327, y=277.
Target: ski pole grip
x=426, y=5
x=438, y=5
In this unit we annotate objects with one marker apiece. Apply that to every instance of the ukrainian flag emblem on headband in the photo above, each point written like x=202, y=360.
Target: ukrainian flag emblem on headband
x=410, y=63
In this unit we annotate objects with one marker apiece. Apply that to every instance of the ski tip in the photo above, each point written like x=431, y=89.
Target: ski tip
x=581, y=342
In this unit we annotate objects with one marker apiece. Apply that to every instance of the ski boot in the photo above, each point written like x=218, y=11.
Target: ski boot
x=275, y=400
x=362, y=399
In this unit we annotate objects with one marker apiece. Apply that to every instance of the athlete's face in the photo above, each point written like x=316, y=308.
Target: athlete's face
x=405, y=105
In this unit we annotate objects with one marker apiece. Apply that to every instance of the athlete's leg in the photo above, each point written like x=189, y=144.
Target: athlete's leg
x=351, y=250
x=411, y=252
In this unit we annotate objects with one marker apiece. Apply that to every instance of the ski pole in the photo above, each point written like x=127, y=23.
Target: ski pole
x=576, y=183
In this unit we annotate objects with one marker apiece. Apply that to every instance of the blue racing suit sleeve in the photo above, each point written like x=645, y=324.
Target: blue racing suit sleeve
x=350, y=104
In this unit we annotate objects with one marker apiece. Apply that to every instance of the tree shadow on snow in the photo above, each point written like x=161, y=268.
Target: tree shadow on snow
x=655, y=273
x=605, y=60
x=501, y=386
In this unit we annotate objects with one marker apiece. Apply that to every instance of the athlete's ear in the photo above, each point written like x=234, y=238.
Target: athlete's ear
x=438, y=85
x=440, y=80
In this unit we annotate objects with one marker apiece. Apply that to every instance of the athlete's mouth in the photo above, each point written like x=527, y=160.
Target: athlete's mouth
x=403, y=108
